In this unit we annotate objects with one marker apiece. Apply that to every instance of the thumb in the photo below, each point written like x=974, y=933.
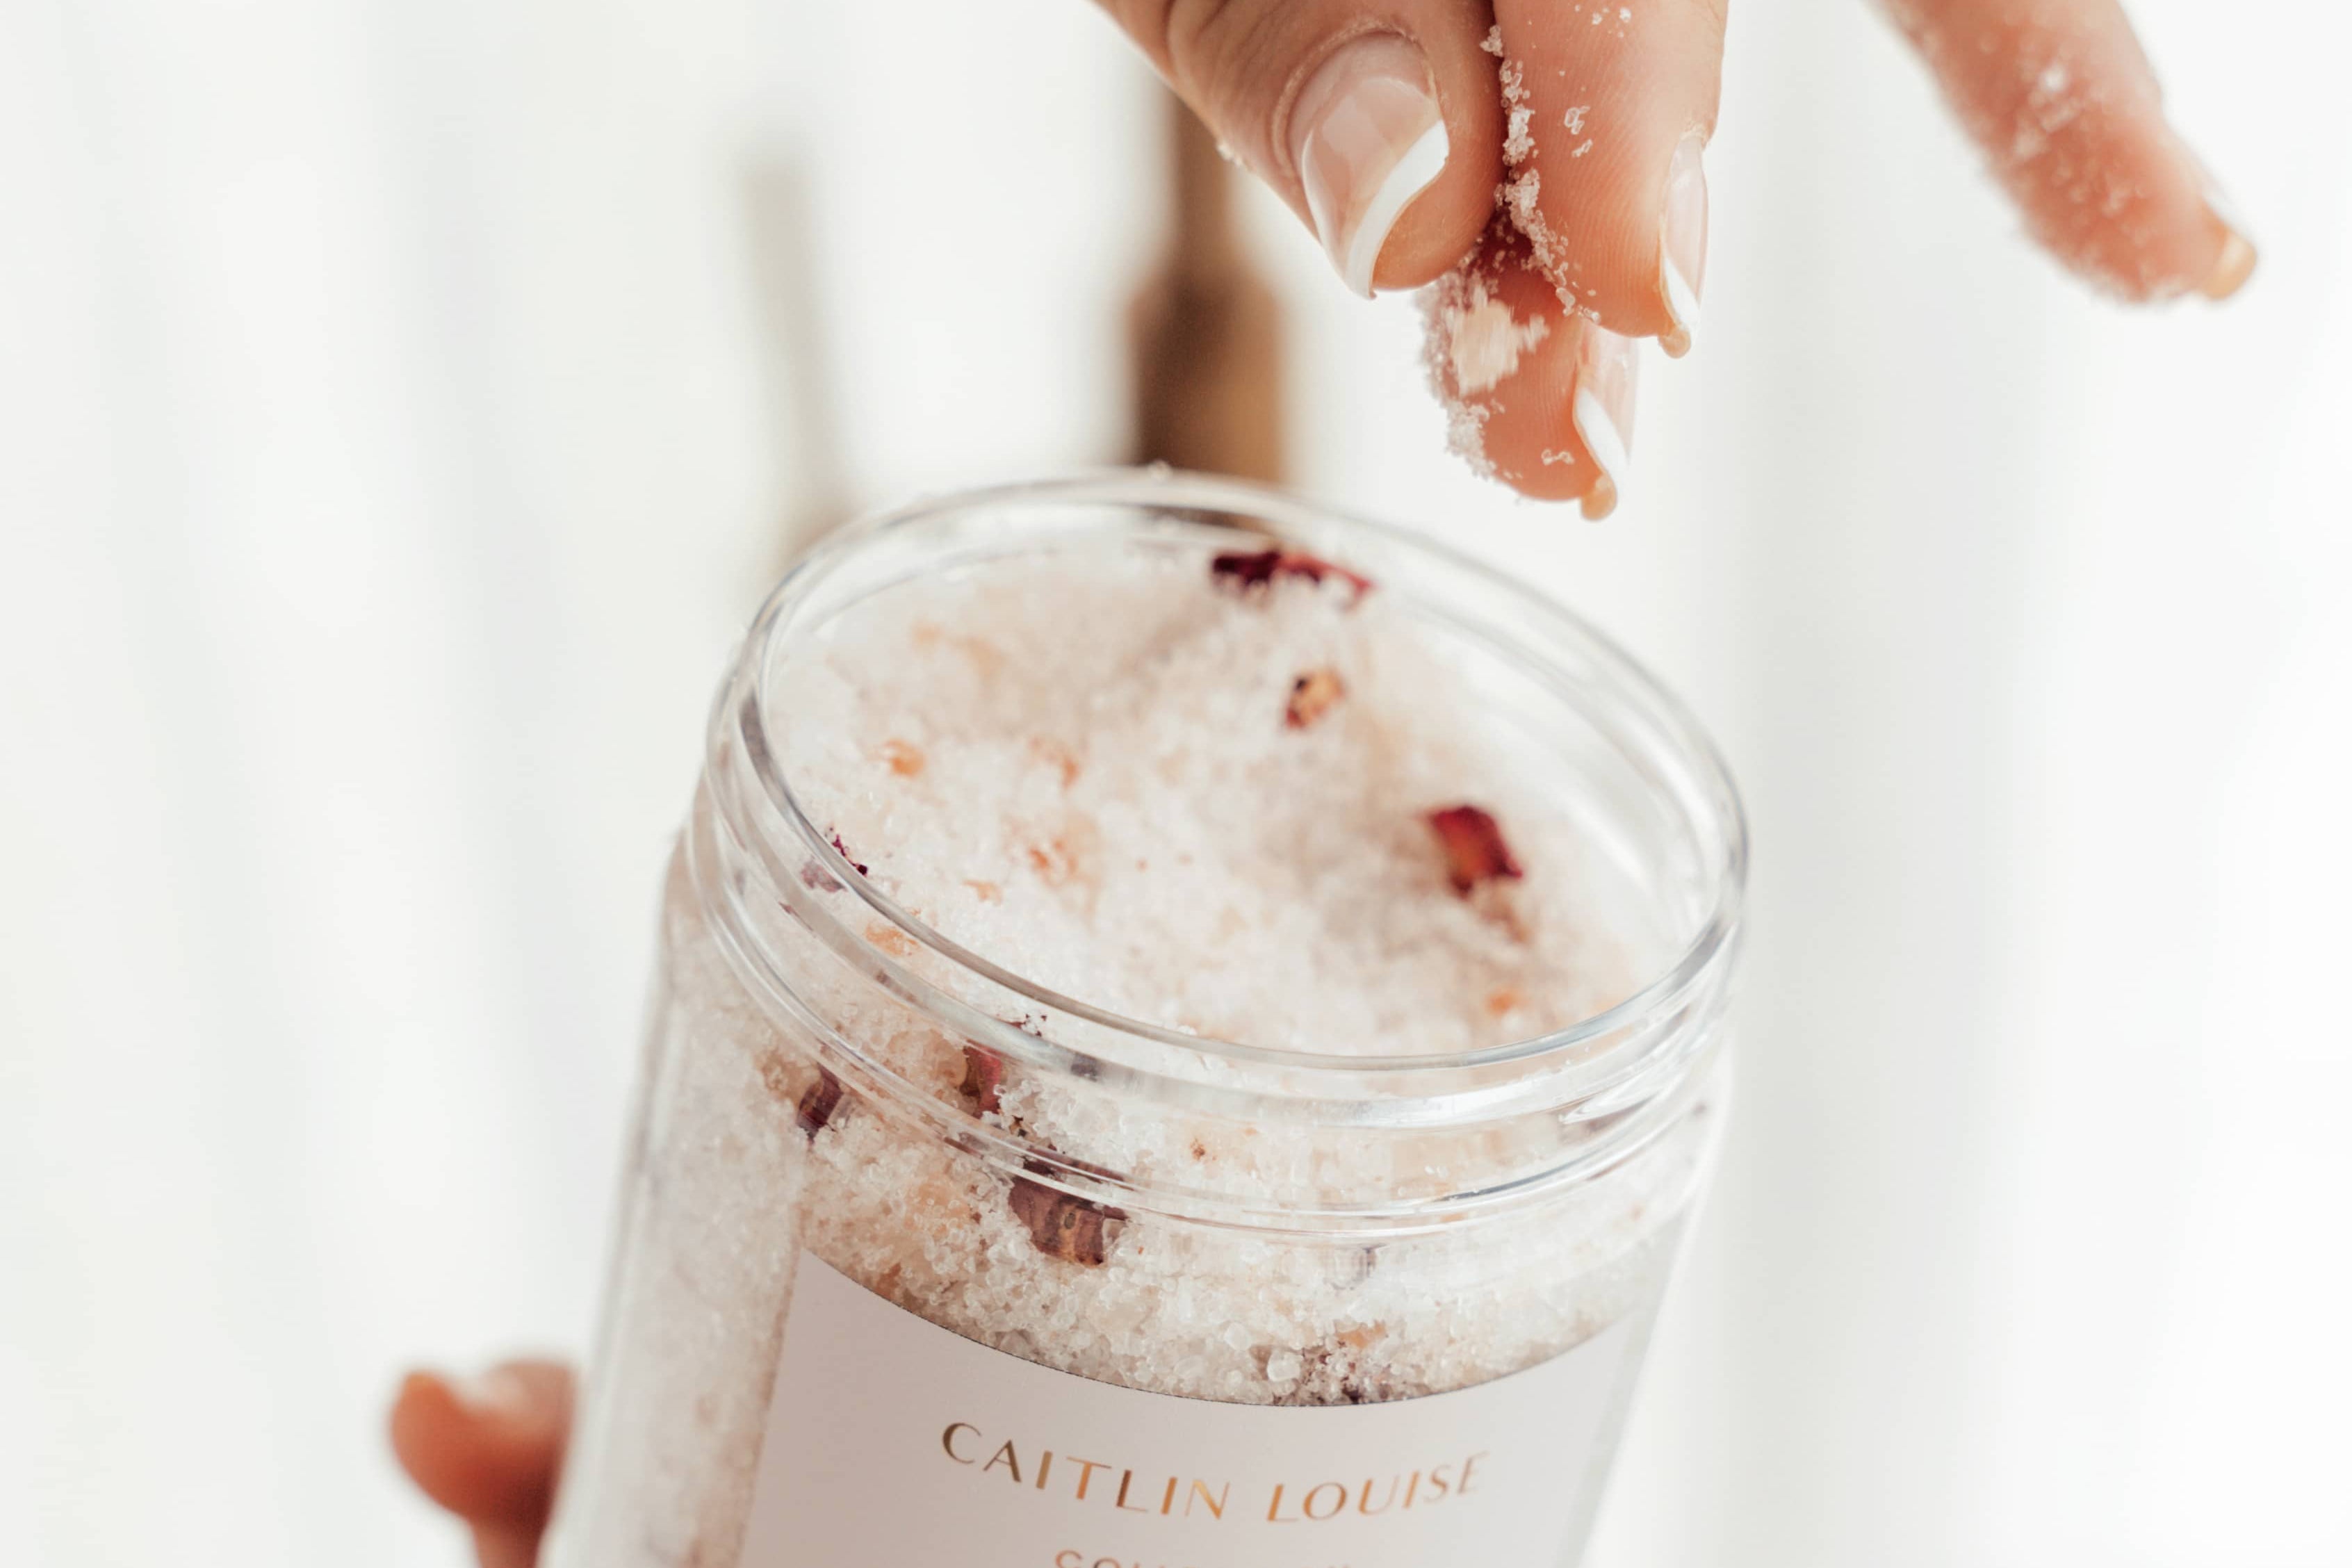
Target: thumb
x=1379, y=123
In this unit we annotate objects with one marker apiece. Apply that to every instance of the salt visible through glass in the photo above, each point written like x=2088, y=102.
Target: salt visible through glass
x=1188, y=1030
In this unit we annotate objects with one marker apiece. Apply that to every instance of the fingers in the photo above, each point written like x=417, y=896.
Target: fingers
x=489, y=1449
x=1380, y=122
x=2060, y=98
x=1540, y=396
x=1383, y=124
x=1611, y=105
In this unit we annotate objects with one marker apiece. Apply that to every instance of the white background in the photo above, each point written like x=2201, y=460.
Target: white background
x=395, y=427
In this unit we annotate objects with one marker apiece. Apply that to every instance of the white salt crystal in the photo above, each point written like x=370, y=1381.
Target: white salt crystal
x=1484, y=341
x=1519, y=142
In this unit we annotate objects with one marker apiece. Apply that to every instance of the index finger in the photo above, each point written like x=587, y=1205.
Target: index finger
x=1611, y=104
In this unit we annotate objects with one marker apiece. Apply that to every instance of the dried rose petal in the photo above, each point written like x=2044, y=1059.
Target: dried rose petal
x=816, y=876
x=1312, y=695
x=1252, y=570
x=855, y=864
x=1256, y=569
x=1074, y=1229
x=818, y=1104
x=983, y=1077
x=1475, y=850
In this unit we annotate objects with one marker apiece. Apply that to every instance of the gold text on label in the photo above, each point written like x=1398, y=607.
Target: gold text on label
x=1294, y=1501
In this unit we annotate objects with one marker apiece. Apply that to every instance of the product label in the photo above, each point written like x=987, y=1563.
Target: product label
x=893, y=1443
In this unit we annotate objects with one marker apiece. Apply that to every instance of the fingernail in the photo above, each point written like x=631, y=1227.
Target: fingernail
x=1367, y=138
x=1682, y=251
x=2236, y=262
x=1603, y=411
x=496, y=1395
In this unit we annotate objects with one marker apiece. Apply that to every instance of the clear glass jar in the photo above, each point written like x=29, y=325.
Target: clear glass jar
x=1395, y=1321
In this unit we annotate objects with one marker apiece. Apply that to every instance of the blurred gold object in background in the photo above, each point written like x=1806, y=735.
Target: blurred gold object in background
x=1205, y=330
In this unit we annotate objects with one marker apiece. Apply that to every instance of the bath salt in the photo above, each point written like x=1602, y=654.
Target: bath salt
x=1472, y=340
x=1120, y=1086
x=1121, y=797
x=1518, y=143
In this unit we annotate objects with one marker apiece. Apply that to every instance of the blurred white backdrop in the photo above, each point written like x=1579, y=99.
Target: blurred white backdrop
x=394, y=430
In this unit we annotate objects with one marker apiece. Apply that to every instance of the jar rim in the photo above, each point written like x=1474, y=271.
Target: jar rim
x=1701, y=963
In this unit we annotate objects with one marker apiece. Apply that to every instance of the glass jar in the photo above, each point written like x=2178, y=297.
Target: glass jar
x=1393, y=1320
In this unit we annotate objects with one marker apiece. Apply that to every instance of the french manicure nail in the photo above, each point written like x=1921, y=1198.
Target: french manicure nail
x=1603, y=409
x=1366, y=137
x=1682, y=249
x=2235, y=264
x=496, y=1395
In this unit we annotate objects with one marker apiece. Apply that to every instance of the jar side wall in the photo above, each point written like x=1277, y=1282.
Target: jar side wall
x=667, y=1435
x=1647, y=785
x=1344, y=1143
x=750, y=1148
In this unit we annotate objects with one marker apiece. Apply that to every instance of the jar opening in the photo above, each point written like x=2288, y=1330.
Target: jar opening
x=1659, y=804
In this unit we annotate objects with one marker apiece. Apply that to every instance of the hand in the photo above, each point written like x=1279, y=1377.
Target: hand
x=1390, y=126
x=489, y=1449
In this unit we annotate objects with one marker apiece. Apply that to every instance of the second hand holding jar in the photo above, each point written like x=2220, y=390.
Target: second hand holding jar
x=1189, y=1032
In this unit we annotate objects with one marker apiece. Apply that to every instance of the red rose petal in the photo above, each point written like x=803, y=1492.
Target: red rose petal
x=1475, y=850
x=855, y=864
x=1256, y=569
x=817, y=1105
x=983, y=1077
x=1074, y=1229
